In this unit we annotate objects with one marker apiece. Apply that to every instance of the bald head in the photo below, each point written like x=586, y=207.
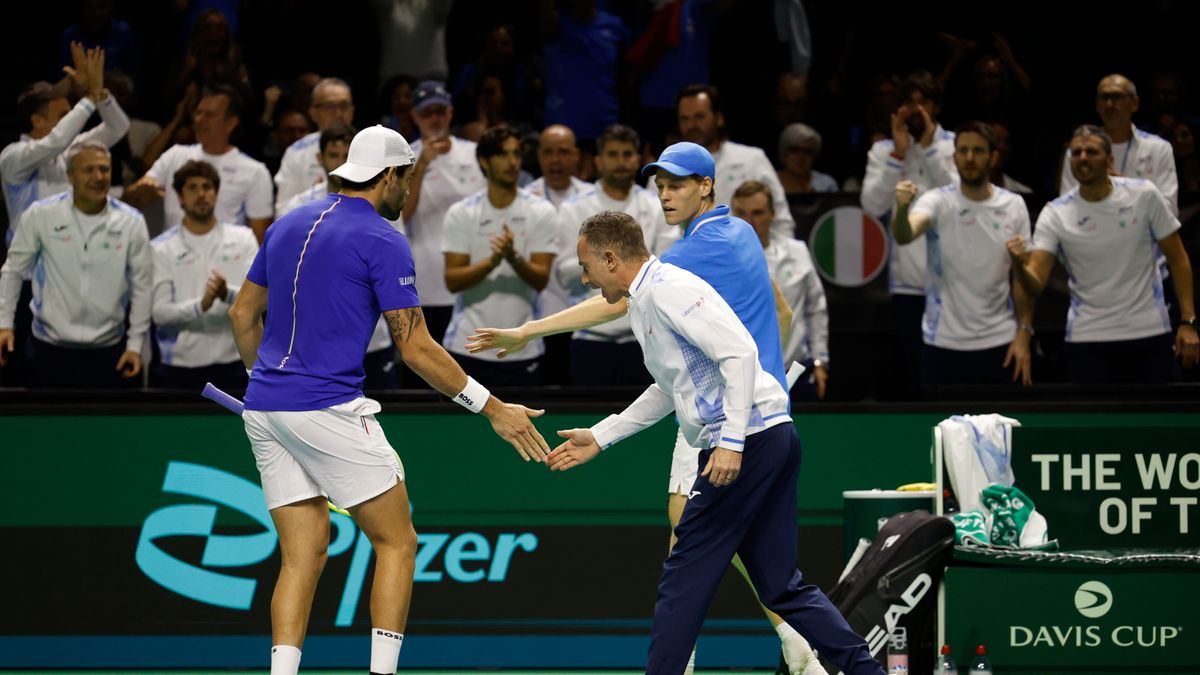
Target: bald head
x=1116, y=102
x=558, y=156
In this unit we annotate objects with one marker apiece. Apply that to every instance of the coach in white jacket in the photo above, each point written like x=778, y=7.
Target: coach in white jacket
x=199, y=265
x=90, y=259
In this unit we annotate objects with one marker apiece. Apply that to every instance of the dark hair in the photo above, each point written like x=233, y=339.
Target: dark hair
x=690, y=90
x=337, y=132
x=616, y=231
x=1085, y=130
x=390, y=86
x=234, y=109
x=751, y=188
x=195, y=169
x=920, y=81
x=491, y=143
x=976, y=127
x=33, y=101
x=618, y=133
x=365, y=186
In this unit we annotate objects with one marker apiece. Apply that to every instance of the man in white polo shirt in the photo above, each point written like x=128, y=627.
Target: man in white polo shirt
x=198, y=267
x=921, y=151
x=301, y=168
x=972, y=331
x=89, y=255
x=499, y=246
x=558, y=157
x=1105, y=232
x=446, y=172
x=701, y=121
x=608, y=354
x=246, y=189
x=1135, y=153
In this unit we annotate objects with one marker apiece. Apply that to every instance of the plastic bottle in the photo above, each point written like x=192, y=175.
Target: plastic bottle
x=981, y=665
x=945, y=663
x=897, y=652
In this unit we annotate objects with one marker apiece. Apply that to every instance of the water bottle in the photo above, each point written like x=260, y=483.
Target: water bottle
x=981, y=665
x=945, y=664
x=897, y=652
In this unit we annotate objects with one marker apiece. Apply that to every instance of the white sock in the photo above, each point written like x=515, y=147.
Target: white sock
x=285, y=660
x=691, y=664
x=385, y=650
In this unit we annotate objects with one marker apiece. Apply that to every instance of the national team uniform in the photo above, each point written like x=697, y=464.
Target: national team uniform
x=791, y=267
x=605, y=355
x=736, y=164
x=299, y=170
x=448, y=178
x=928, y=168
x=557, y=197
x=196, y=346
x=1144, y=155
x=1118, y=329
x=706, y=370
x=725, y=252
x=245, y=184
x=330, y=268
x=502, y=298
x=969, y=319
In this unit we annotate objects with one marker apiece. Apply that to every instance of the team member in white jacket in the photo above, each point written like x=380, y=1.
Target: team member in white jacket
x=300, y=168
x=806, y=338
x=922, y=152
x=35, y=167
x=607, y=354
x=90, y=259
x=199, y=266
x=706, y=370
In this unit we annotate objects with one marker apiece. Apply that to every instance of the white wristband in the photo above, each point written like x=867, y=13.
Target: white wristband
x=473, y=396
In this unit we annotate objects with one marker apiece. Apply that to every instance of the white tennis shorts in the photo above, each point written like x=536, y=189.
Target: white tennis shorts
x=338, y=452
x=685, y=464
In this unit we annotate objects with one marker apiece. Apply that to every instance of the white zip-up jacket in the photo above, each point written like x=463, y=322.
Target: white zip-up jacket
x=927, y=167
x=36, y=169
x=84, y=277
x=187, y=336
x=704, y=363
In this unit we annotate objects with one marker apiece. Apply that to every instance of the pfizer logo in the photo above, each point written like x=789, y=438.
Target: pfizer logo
x=1093, y=599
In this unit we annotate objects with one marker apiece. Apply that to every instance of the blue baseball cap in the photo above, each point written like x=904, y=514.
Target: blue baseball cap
x=430, y=92
x=683, y=159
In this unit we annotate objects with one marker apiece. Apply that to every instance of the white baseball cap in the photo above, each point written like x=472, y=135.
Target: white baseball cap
x=372, y=150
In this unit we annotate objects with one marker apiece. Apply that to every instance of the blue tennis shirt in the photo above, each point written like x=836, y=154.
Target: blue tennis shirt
x=330, y=268
x=725, y=252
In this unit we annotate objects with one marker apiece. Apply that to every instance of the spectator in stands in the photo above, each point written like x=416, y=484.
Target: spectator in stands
x=92, y=256
x=1187, y=163
x=499, y=68
x=485, y=97
x=141, y=132
x=199, y=265
x=791, y=99
x=178, y=131
x=1104, y=230
x=288, y=126
x=301, y=167
x=1135, y=153
x=412, y=36
x=446, y=172
x=212, y=59
x=806, y=335
x=608, y=354
x=977, y=323
x=379, y=364
x=1003, y=138
x=799, y=145
x=35, y=167
x=499, y=246
x=875, y=126
x=396, y=101
x=583, y=50
x=702, y=122
x=558, y=157
x=245, y=197
x=98, y=28
x=922, y=152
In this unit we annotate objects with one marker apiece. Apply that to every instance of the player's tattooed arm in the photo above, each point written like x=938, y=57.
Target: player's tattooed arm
x=404, y=323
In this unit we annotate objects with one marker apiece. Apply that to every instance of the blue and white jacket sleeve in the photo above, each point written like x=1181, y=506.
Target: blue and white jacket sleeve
x=653, y=405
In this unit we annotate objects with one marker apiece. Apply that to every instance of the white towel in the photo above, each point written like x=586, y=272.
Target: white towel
x=977, y=452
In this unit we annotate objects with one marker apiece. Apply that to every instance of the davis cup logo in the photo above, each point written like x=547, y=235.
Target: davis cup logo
x=1093, y=599
x=849, y=247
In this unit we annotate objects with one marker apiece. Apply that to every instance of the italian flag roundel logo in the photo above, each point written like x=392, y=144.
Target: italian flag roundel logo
x=849, y=247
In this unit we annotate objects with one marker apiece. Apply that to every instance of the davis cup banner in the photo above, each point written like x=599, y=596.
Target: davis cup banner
x=849, y=247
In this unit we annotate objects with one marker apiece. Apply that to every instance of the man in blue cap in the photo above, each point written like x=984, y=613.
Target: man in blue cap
x=725, y=252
